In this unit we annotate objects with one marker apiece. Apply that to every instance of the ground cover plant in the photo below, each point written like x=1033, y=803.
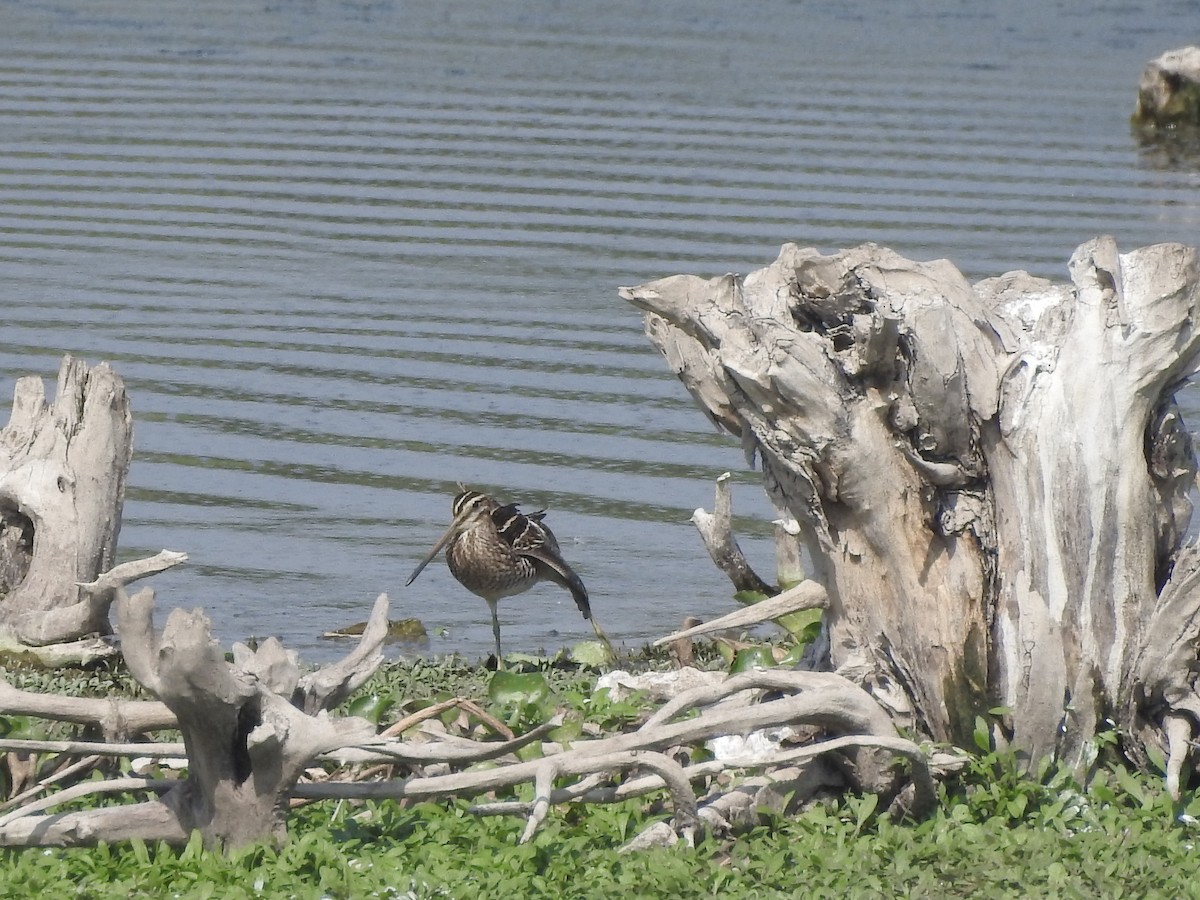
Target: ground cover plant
x=997, y=832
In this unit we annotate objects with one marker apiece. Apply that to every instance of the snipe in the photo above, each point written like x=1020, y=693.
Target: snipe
x=496, y=551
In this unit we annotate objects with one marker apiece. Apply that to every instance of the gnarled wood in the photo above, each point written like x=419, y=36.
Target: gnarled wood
x=806, y=595
x=116, y=719
x=716, y=530
x=62, y=487
x=238, y=782
x=250, y=728
x=246, y=742
x=992, y=480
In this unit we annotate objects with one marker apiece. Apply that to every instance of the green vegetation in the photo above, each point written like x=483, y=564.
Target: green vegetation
x=996, y=834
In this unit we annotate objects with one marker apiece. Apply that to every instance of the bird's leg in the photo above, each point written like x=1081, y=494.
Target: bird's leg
x=496, y=633
x=612, y=653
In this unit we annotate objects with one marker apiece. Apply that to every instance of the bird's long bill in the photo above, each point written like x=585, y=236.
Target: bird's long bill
x=437, y=548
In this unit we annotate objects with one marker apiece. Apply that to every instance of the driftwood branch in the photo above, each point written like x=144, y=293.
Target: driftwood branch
x=716, y=530
x=820, y=699
x=88, y=789
x=806, y=595
x=128, y=572
x=96, y=748
x=247, y=746
x=153, y=820
x=330, y=685
x=65, y=774
x=116, y=718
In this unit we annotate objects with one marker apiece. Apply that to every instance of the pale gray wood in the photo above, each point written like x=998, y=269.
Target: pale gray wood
x=992, y=480
x=716, y=530
x=246, y=735
x=116, y=719
x=247, y=744
x=62, y=474
x=806, y=595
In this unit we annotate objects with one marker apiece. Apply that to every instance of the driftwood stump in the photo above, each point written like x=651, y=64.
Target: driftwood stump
x=250, y=728
x=1169, y=91
x=992, y=480
x=62, y=487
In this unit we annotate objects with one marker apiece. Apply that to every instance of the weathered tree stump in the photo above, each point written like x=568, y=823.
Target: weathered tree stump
x=1169, y=91
x=62, y=487
x=992, y=480
x=245, y=725
x=250, y=728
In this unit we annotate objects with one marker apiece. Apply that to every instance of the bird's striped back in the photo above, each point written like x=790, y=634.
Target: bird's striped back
x=521, y=531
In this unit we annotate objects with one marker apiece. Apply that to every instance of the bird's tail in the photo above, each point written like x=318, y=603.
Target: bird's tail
x=564, y=576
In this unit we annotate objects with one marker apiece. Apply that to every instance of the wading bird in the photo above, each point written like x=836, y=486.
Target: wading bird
x=496, y=551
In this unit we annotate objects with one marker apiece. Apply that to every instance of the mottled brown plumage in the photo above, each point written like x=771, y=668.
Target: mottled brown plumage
x=496, y=551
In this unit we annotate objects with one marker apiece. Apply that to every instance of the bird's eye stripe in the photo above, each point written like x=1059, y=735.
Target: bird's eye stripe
x=466, y=499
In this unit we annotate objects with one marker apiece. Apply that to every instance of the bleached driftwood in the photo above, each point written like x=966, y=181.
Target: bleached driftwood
x=992, y=480
x=859, y=729
x=716, y=530
x=62, y=488
x=117, y=719
x=1169, y=91
x=246, y=732
x=824, y=700
x=126, y=573
x=62, y=479
x=805, y=595
x=793, y=781
x=247, y=741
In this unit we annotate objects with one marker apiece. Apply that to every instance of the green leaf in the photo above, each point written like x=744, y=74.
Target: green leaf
x=570, y=730
x=1156, y=758
x=866, y=807
x=590, y=653
x=140, y=851
x=794, y=655
x=371, y=707
x=518, y=687
x=194, y=848
x=982, y=734
x=803, y=625
x=529, y=752
x=1017, y=806
x=749, y=658
x=1130, y=784
x=20, y=728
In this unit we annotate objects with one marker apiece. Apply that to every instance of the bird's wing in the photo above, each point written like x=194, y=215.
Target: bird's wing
x=523, y=532
x=530, y=537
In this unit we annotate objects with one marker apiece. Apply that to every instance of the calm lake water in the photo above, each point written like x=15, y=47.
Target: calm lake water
x=348, y=254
